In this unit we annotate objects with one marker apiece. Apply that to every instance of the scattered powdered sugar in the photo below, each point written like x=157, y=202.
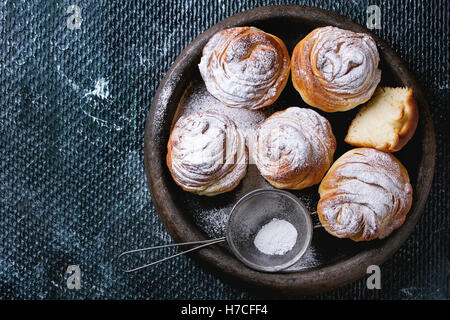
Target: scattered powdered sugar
x=197, y=99
x=308, y=261
x=213, y=222
x=276, y=237
x=101, y=89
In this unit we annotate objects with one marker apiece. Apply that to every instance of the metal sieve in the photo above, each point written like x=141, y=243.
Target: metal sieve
x=247, y=217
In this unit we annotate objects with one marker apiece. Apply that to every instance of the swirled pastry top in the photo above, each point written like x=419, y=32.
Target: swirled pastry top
x=335, y=69
x=245, y=67
x=207, y=154
x=294, y=148
x=365, y=195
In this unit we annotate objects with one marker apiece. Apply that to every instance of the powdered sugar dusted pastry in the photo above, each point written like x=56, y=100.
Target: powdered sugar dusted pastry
x=207, y=154
x=294, y=148
x=365, y=195
x=245, y=67
x=335, y=69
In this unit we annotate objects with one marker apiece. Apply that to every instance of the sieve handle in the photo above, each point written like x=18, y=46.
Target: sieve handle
x=315, y=220
x=201, y=244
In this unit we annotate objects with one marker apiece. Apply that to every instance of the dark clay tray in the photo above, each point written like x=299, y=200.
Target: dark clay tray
x=330, y=262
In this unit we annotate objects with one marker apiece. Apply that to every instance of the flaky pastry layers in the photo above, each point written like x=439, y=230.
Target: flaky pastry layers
x=365, y=195
x=293, y=148
x=207, y=154
x=335, y=69
x=245, y=67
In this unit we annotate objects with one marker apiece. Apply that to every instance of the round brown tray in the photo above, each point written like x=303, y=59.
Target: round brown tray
x=290, y=23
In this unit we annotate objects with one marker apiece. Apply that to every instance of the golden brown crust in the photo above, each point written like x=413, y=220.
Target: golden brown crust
x=245, y=67
x=409, y=118
x=294, y=148
x=329, y=72
x=365, y=195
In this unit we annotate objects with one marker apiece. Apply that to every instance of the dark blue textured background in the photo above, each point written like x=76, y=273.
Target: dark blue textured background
x=72, y=183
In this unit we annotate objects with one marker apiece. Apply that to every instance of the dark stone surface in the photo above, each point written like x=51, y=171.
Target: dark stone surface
x=72, y=183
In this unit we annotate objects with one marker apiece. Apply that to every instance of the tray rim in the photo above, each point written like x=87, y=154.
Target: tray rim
x=216, y=259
